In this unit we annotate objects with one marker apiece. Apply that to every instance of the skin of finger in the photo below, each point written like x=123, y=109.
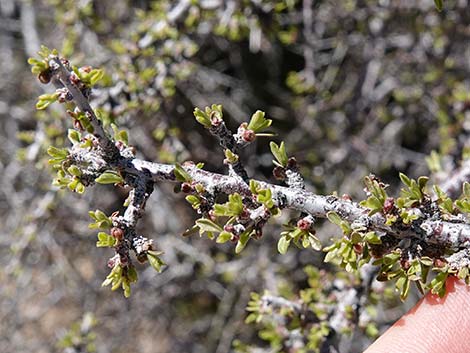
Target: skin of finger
x=434, y=325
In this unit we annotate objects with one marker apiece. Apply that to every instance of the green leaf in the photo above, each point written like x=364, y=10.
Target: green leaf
x=234, y=206
x=59, y=153
x=422, y=181
x=405, y=180
x=230, y=156
x=155, y=261
x=207, y=226
x=109, y=177
x=74, y=136
x=73, y=184
x=314, y=242
x=105, y=240
x=463, y=273
x=372, y=238
x=132, y=274
x=114, y=278
x=279, y=152
x=181, y=174
x=439, y=5
x=373, y=204
x=466, y=190
x=44, y=52
x=45, y=100
x=80, y=188
x=190, y=231
x=194, y=200
x=126, y=287
x=438, y=284
x=74, y=170
x=224, y=237
x=439, y=192
x=244, y=237
x=95, y=75
x=202, y=118
x=334, y=218
x=101, y=216
x=254, y=187
x=434, y=162
x=258, y=122
x=405, y=290
x=427, y=261
x=283, y=245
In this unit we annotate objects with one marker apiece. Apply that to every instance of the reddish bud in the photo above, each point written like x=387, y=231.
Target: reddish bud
x=304, y=224
x=405, y=264
x=117, y=233
x=124, y=260
x=186, y=188
x=111, y=262
x=358, y=249
x=212, y=215
x=248, y=135
x=439, y=263
x=279, y=173
x=245, y=214
x=229, y=228
x=389, y=204
x=77, y=125
x=119, y=145
x=65, y=62
x=45, y=76
x=438, y=229
x=291, y=163
x=346, y=197
x=85, y=69
x=215, y=118
x=74, y=78
x=142, y=258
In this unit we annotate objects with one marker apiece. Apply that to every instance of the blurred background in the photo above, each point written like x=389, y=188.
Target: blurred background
x=353, y=87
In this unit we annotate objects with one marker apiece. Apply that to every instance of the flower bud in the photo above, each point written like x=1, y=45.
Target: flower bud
x=389, y=204
x=45, y=76
x=212, y=215
x=77, y=125
x=74, y=78
x=304, y=224
x=279, y=173
x=142, y=257
x=292, y=163
x=358, y=249
x=229, y=228
x=186, y=188
x=346, y=197
x=248, y=135
x=117, y=233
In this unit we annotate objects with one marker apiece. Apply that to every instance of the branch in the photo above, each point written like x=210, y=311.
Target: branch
x=454, y=235
x=331, y=306
x=402, y=234
x=64, y=78
x=452, y=184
